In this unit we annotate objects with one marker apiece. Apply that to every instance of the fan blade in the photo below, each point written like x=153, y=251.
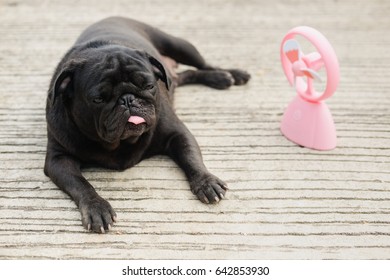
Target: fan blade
x=313, y=61
x=311, y=74
x=292, y=50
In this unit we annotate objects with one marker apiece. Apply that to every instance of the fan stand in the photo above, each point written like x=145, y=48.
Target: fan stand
x=309, y=124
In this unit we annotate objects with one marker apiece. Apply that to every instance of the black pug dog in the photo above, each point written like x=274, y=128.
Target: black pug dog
x=110, y=104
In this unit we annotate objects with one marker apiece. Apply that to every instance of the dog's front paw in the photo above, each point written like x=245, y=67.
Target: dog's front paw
x=97, y=214
x=241, y=77
x=208, y=188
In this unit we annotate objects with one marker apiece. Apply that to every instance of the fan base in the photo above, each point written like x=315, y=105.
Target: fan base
x=309, y=124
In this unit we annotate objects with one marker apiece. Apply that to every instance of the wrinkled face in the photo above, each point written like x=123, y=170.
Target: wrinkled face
x=115, y=95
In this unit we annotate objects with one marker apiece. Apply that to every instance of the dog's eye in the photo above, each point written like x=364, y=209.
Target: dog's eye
x=148, y=86
x=98, y=100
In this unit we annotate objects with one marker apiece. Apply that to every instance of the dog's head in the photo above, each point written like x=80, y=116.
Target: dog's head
x=111, y=93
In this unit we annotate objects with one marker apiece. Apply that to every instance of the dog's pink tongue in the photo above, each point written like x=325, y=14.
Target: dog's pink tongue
x=136, y=120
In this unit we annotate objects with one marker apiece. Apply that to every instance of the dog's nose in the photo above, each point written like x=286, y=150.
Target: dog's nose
x=126, y=100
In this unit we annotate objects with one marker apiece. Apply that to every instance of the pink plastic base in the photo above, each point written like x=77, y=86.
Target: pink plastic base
x=309, y=124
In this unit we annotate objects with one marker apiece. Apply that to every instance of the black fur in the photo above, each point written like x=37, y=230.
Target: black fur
x=116, y=71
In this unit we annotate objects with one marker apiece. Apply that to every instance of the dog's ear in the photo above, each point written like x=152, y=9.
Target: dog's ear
x=159, y=71
x=63, y=83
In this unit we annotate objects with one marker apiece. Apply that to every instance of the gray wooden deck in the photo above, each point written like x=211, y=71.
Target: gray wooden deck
x=285, y=202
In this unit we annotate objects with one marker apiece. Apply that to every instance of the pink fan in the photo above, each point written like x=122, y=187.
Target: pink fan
x=307, y=120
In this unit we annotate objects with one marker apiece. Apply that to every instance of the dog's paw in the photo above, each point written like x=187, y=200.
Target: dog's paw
x=97, y=214
x=218, y=79
x=241, y=77
x=208, y=188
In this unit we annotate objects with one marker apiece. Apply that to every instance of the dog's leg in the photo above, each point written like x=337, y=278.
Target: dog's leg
x=184, y=52
x=97, y=214
x=218, y=79
x=183, y=148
